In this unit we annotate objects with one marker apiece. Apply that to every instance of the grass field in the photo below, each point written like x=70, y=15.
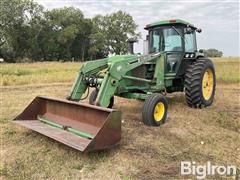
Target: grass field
x=227, y=70
x=200, y=135
x=42, y=72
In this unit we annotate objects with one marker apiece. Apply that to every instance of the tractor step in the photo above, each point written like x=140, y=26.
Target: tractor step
x=81, y=126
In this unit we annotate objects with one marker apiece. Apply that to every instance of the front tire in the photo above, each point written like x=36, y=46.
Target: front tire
x=200, y=83
x=93, y=97
x=155, y=110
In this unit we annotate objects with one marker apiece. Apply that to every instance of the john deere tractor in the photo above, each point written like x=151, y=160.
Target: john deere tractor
x=172, y=63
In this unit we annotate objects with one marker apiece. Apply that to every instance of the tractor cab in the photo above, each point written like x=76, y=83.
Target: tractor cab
x=177, y=39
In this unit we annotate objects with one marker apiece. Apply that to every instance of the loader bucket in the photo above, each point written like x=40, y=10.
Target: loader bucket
x=80, y=126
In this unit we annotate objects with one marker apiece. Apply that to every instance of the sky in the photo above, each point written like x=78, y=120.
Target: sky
x=219, y=20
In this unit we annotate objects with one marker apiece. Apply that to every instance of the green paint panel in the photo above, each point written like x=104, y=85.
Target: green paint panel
x=69, y=129
x=167, y=22
x=45, y=120
x=79, y=133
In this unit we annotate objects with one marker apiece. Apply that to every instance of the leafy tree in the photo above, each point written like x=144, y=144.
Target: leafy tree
x=213, y=53
x=15, y=27
x=28, y=31
x=64, y=26
x=117, y=27
x=81, y=44
x=121, y=27
x=98, y=39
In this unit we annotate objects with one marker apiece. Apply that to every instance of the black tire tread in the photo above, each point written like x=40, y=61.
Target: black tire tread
x=93, y=97
x=192, y=83
x=149, y=104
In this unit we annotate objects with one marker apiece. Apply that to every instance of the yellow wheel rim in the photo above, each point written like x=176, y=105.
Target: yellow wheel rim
x=159, y=111
x=207, y=84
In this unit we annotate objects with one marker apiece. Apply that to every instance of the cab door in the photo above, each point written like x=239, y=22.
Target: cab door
x=190, y=49
x=173, y=46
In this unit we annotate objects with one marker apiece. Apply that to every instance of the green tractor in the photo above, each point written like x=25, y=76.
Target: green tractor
x=171, y=63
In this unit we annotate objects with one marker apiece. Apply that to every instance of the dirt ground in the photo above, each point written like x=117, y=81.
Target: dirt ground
x=200, y=135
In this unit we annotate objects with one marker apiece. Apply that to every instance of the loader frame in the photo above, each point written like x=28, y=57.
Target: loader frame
x=117, y=78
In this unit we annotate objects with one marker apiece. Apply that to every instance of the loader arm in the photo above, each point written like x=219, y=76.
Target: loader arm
x=80, y=85
x=117, y=69
x=117, y=72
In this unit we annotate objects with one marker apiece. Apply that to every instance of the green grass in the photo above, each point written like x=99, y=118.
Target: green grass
x=227, y=70
x=38, y=73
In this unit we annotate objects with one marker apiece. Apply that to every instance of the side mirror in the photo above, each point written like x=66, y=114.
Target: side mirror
x=201, y=50
x=189, y=30
x=199, y=30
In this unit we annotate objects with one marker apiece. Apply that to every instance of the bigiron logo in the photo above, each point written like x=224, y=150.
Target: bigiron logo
x=201, y=171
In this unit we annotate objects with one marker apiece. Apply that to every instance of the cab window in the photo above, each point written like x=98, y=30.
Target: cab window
x=190, y=43
x=155, y=40
x=172, y=39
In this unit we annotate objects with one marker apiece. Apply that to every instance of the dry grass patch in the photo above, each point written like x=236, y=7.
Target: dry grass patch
x=144, y=152
x=200, y=135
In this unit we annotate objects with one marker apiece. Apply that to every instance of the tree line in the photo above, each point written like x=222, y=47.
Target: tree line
x=30, y=32
x=212, y=53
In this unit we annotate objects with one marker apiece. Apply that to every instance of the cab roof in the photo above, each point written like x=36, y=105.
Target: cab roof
x=168, y=22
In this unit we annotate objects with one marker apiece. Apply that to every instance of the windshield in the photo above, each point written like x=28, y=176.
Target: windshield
x=166, y=39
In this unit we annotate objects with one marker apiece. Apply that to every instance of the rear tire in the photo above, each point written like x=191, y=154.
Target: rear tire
x=155, y=110
x=200, y=83
x=93, y=97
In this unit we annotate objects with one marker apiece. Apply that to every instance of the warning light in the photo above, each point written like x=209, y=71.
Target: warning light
x=172, y=20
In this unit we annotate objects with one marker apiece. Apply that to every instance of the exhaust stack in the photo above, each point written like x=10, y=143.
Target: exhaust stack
x=131, y=42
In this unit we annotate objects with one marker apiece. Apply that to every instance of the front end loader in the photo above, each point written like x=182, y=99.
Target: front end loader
x=172, y=64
